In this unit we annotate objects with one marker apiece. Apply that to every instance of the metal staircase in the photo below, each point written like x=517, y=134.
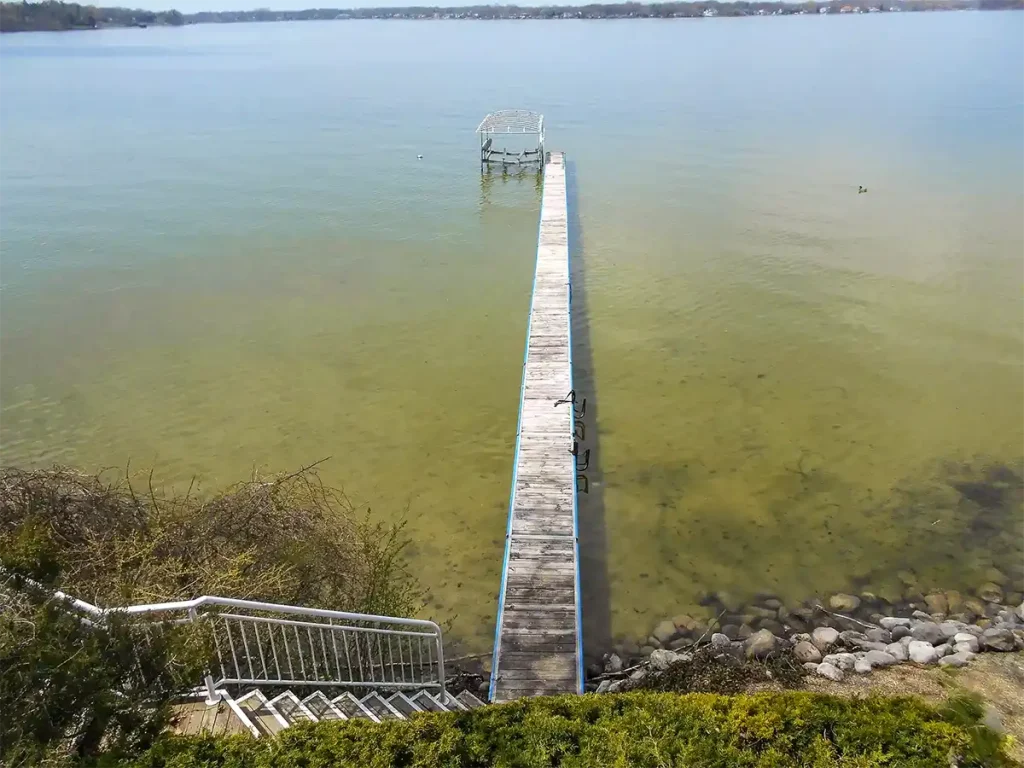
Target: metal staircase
x=345, y=665
x=254, y=713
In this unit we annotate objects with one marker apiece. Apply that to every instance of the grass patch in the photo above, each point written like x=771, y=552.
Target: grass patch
x=633, y=730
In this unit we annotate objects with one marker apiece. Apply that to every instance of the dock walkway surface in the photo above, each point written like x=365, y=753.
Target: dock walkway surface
x=538, y=644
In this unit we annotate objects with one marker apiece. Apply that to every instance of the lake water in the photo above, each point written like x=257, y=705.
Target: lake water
x=220, y=253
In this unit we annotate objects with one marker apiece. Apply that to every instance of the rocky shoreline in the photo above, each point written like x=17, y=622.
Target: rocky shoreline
x=845, y=634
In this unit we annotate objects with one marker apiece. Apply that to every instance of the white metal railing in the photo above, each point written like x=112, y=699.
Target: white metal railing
x=286, y=645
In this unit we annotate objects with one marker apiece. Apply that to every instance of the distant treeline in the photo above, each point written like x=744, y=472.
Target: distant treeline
x=24, y=16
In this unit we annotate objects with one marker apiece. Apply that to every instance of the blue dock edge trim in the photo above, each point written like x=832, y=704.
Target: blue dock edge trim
x=572, y=406
x=515, y=462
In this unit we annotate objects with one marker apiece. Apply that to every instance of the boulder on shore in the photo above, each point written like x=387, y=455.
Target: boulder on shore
x=806, y=652
x=922, y=652
x=830, y=672
x=761, y=644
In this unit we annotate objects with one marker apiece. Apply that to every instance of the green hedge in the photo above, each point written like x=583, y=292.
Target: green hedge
x=627, y=731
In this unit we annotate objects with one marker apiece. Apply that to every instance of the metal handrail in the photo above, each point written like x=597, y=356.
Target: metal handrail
x=299, y=651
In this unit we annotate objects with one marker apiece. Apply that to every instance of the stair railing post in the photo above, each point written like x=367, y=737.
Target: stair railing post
x=440, y=661
x=212, y=696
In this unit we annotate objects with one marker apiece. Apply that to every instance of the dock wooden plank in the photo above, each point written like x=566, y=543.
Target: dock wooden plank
x=537, y=643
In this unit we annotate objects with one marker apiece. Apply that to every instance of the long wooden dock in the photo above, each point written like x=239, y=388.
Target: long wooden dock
x=538, y=641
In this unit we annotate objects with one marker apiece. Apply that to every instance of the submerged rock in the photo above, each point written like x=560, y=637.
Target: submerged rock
x=991, y=592
x=664, y=632
x=891, y=622
x=936, y=603
x=843, y=602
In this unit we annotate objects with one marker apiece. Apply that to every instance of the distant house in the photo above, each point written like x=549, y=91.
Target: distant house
x=823, y=10
x=846, y=9
x=709, y=13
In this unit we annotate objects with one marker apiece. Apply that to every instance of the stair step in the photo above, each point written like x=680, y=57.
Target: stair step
x=471, y=701
x=351, y=707
x=425, y=701
x=377, y=704
x=452, y=703
x=321, y=706
x=403, y=704
x=266, y=718
x=291, y=709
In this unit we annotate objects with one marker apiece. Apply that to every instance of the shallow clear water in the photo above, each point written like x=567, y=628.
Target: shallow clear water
x=219, y=252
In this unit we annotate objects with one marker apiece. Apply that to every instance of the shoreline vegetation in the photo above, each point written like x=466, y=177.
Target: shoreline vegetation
x=59, y=16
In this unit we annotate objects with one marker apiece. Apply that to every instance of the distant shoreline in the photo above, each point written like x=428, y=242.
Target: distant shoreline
x=47, y=17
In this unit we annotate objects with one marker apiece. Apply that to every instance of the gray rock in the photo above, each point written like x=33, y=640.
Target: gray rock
x=997, y=640
x=613, y=663
x=680, y=643
x=719, y=640
x=922, y=652
x=801, y=637
x=604, y=686
x=732, y=631
x=761, y=644
x=1007, y=617
x=823, y=637
x=647, y=650
x=867, y=645
x=921, y=616
x=944, y=650
x=965, y=641
x=843, y=602
x=763, y=613
x=616, y=686
x=841, y=661
x=950, y=628
x=1019, y=634
x=1020, y=611
x=891, y=622
x=829, y=672
x=929, y=632
x=878, y=635
x=897, y=650
x=862, y=666
x=900, y=631
x=851, y=636
x=956, y=659
x=965, y=647
x=640, y=674
x=745, y=631
x=879, y=659
x=662, y=660
x=810, y=666
x=665, y=631
x=806, y=652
